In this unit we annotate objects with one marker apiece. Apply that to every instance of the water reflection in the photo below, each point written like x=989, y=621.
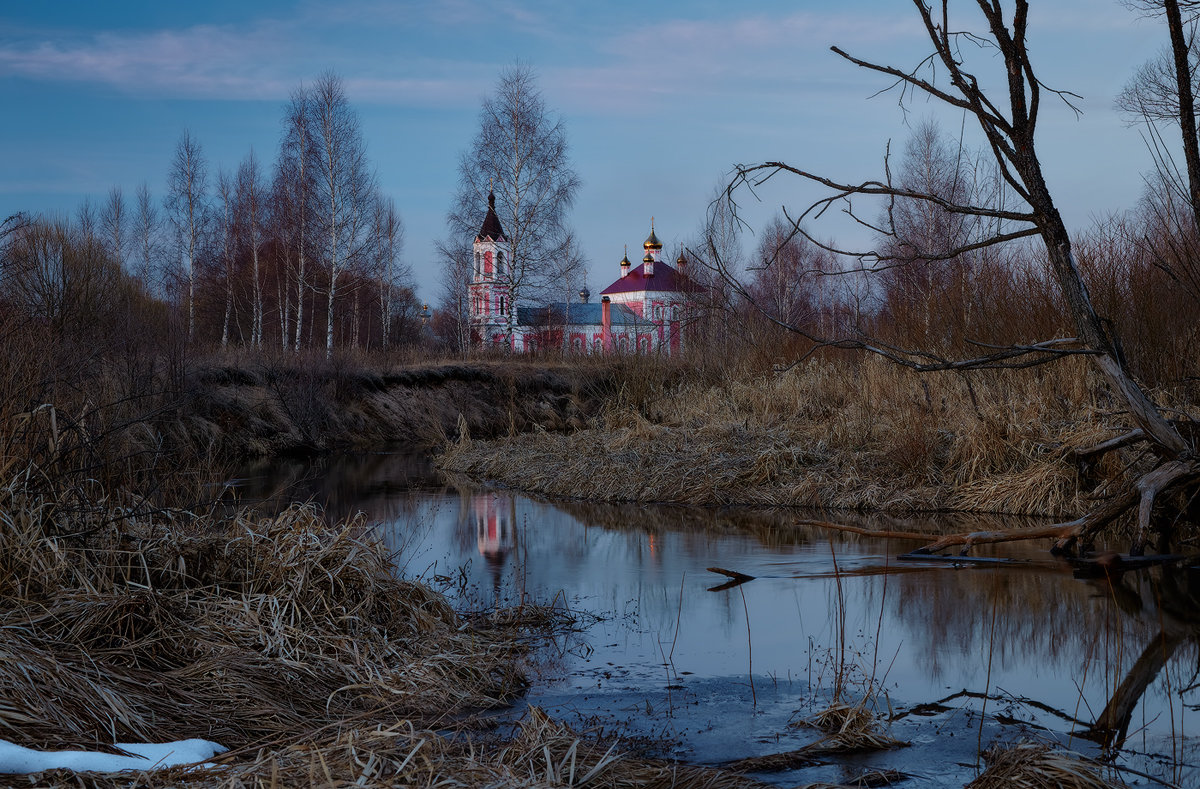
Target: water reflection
x=1044, y=654
x=493, y=515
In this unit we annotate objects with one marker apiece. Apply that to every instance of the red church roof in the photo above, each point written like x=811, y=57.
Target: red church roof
x=665, y=279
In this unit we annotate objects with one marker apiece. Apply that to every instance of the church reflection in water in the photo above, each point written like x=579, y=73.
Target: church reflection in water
x=493, y=516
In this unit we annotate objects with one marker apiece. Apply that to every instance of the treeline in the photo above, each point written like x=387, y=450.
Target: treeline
x=795, y=292
x=302, y=253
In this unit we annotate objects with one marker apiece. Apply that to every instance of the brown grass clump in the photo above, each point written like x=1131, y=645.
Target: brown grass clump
x=861, y=436
x=849, y=728
x=1032, y=766
x=122, y=628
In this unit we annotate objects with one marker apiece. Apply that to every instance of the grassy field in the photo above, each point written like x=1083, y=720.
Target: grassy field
x=862, y=435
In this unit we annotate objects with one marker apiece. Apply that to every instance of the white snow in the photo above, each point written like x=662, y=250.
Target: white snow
x=149, y=756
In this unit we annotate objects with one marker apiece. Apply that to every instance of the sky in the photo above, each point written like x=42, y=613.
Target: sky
x=660, y=101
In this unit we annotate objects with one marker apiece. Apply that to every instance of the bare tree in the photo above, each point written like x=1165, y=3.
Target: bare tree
x=1162, y=93
x=86, y=222
x=343, y=186
x=520, y=153
x=784, y=280
x=1008, y=126
x=250, y=208
x=453, y=314
x=61, y=276
x=145, y=239
x=113, y=223
x=227, y=231
x=388, y=232
x=294, y=179
x=186, y=206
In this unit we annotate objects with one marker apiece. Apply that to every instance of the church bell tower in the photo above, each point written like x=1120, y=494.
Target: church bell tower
x=491, y=308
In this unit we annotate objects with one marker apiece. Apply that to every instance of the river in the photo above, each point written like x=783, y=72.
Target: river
x=957, y=656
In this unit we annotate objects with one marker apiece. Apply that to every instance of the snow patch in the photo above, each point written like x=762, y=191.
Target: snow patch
x=148, y=756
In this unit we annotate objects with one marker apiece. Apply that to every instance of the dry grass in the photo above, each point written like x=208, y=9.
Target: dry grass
x=865, y=436
x=242, y=630
x=1031, y=766
x=283, y=638
x=848, y=728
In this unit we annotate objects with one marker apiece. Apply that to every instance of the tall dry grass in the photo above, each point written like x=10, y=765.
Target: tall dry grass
x=860, y=434
x=1042, y=767
x=117, y=627
x=288, y=640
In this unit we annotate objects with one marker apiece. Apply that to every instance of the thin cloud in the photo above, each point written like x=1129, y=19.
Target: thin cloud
x=758, y=57
x=204, y=61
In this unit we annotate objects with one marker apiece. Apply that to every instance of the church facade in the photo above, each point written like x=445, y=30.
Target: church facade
x=642, y=311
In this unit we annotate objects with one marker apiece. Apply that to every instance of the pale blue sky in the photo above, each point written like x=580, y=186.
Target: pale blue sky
x=660, y=100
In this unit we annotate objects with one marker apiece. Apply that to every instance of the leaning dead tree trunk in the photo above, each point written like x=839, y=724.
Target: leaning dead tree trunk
x=1009, y=130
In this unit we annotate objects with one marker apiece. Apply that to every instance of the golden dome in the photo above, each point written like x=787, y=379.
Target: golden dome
x=652, y=242
x=649, y=258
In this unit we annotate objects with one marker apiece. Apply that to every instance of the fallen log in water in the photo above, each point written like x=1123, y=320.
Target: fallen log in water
x=735, y=579
x=934, y=557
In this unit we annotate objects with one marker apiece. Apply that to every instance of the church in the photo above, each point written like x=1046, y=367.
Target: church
x=643, y=311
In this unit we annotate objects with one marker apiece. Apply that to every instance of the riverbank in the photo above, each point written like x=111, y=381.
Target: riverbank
x=268, y=407
x=289, y=641
x=864, y=436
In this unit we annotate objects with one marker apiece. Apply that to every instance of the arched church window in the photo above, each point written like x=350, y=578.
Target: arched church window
x=500, y=262
x=598, y=346
x=476, y=264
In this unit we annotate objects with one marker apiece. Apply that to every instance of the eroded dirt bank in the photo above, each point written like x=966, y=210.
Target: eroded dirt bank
x=259, y=409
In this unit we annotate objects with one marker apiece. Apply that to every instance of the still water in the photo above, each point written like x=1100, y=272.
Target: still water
x=958, y=656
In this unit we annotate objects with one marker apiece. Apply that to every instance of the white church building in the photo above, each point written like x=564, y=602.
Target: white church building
x=642, y=311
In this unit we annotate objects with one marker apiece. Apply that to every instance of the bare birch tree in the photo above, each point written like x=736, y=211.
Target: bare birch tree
x=456, y=269
x=250, y=208
x=520, y=153
x=186, y=206
x=388, y=233
x=294, y=178
x=226, y=230
x=343, y=186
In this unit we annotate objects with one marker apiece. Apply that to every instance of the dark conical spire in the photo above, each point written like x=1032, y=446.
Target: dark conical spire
x=491, y=223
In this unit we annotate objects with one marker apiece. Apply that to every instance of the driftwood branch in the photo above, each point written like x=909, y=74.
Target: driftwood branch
x=1104, y=447
x=1150, y=486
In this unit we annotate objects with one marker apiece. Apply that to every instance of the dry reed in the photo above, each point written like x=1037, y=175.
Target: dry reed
x=865, y=436
x=1033, y=766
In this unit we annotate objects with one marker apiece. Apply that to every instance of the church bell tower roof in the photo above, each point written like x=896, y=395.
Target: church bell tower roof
x=491, y=230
